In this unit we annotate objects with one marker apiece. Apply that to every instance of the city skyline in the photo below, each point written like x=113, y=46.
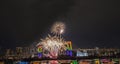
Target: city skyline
x=89, y=24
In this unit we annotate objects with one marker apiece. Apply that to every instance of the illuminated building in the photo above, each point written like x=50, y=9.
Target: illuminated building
x=8, y=52
x=19, y=50
x=26, y=52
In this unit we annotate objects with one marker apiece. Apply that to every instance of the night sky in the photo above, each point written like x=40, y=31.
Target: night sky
x=89, y=23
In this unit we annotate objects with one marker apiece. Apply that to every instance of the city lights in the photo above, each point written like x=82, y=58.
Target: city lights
x=54, y=46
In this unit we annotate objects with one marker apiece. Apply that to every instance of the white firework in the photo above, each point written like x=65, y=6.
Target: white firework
x=53, y=45
x=58, y=28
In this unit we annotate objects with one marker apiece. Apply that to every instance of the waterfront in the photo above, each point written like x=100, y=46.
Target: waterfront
x=77, y=61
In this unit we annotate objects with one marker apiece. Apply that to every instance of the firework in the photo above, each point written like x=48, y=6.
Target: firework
x=52, y=45
x=58, y=28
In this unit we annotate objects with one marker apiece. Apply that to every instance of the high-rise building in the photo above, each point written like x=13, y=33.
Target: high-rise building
x=26, y=51
x=8, y=52
x=19, y=52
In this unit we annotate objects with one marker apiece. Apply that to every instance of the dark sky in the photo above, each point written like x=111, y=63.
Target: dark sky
x=89, y=23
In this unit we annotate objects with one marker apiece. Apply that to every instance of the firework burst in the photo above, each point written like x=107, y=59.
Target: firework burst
x=58, y=28
x=53, y=45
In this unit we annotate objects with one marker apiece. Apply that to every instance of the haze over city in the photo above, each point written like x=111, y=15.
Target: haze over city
x=89, y=23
